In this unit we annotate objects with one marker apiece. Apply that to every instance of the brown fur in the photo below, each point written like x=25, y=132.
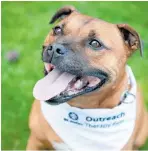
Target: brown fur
x=113, y=61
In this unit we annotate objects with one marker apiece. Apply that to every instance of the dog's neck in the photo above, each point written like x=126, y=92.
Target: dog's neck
x=107, y=98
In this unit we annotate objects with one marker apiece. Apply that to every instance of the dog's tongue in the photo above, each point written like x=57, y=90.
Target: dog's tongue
x=51, y=85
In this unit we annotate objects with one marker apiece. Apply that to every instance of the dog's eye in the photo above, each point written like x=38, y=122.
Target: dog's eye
x=95, y=44
x=57, y=30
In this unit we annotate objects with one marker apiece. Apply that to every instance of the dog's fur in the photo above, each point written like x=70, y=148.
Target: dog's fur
x=120, y=42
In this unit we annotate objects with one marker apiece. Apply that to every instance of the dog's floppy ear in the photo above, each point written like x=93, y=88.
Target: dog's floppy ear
x=62, y=13
x=131, y=38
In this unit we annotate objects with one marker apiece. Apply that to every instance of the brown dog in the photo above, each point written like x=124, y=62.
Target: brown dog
x=95, y=52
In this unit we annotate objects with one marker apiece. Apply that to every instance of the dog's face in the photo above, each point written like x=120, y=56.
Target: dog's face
x=94, y=50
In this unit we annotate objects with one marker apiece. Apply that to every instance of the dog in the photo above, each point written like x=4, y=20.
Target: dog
x=88, y=99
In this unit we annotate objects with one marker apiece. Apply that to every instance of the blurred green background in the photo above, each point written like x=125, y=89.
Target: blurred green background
x=24, y=27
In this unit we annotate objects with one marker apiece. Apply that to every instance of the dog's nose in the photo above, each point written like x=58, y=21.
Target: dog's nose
x=58, y=49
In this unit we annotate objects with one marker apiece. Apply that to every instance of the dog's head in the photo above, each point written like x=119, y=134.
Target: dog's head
x=94, y=50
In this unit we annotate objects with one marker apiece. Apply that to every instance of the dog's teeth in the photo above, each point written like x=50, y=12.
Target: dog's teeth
x=46, y=67
x=80, y=84
x=70, y=92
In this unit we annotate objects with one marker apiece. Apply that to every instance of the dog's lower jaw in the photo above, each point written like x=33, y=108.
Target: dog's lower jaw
x=107, y=97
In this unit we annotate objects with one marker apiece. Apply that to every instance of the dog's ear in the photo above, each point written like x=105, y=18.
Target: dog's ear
x=131, y=38
x=62, y=13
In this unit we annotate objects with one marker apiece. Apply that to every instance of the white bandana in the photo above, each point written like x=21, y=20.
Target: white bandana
x=94, y=129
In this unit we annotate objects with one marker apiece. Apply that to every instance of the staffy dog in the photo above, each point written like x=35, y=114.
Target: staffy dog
x=88, y=99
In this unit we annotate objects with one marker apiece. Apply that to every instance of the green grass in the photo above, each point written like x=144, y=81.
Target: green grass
x=24, y=27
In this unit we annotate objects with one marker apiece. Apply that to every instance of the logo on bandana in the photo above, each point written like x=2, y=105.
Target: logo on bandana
x=73, y=116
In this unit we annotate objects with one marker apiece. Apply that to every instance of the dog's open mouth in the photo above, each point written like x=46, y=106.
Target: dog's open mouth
x=59, y=87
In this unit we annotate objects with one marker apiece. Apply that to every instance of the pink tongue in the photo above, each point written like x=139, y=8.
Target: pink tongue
x=51, y=85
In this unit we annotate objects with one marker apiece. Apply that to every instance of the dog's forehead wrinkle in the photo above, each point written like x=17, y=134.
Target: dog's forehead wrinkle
x=68, y=39
x=92, y=34
x=88, y=27
x=77, y=21
x=96, y=29
x=87, y=21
